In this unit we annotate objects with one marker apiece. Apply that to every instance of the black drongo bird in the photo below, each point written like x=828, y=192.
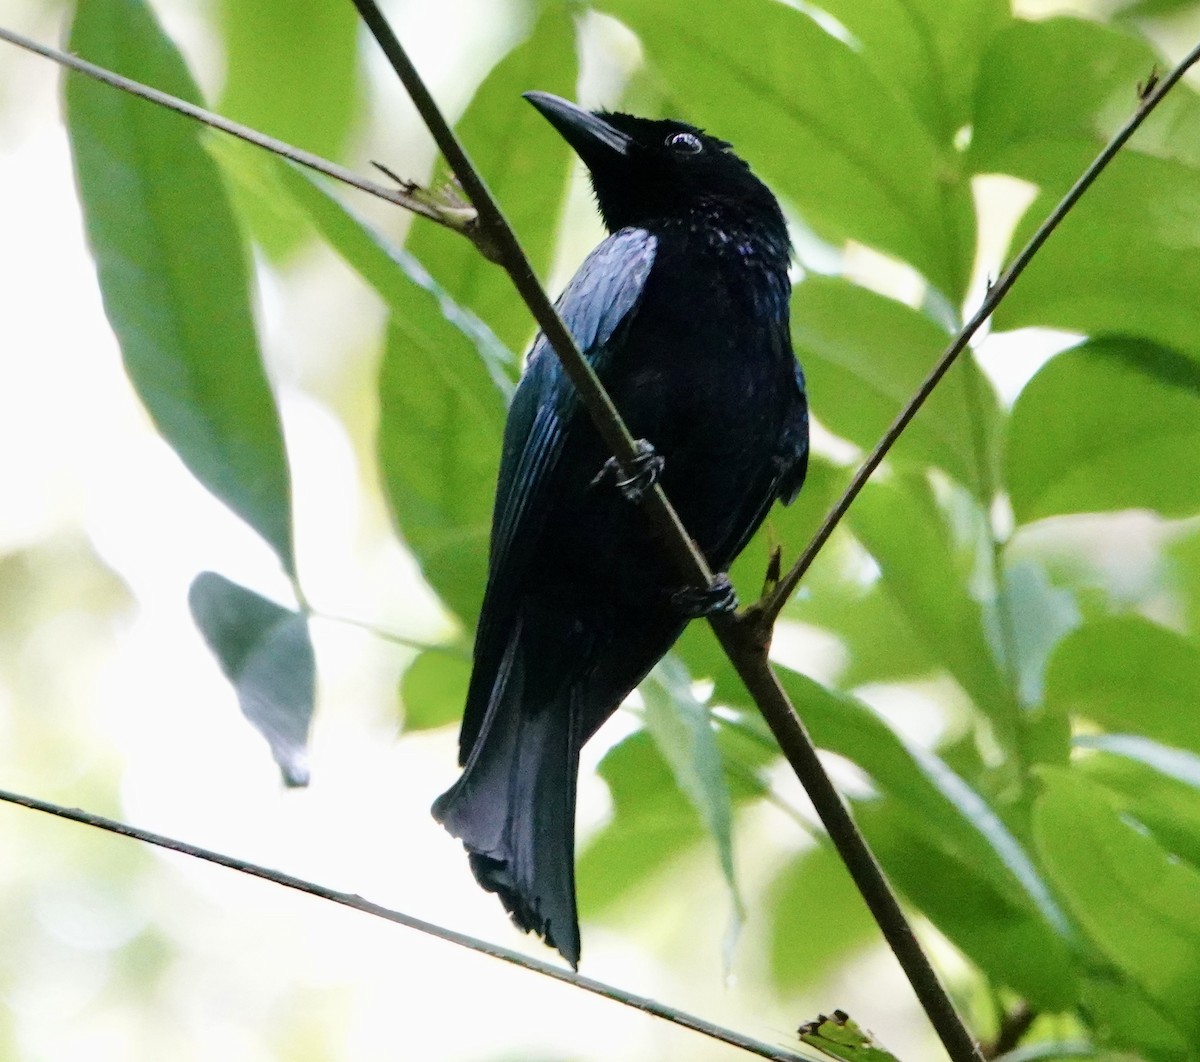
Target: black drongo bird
x=683, y=311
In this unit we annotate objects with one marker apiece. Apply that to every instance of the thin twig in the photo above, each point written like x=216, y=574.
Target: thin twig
x=357, y=903
x=769, y=608
x=458, y=219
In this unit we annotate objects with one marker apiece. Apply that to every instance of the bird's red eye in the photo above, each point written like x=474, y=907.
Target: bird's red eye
x=685, y=143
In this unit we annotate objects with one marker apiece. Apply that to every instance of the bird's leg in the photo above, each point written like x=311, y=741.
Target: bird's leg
x=646, y=467
x=693, y=602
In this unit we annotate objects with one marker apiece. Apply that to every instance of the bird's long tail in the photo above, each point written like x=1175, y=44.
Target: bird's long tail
x=514, y=805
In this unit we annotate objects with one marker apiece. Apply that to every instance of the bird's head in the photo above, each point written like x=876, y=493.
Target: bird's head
x=648, y=170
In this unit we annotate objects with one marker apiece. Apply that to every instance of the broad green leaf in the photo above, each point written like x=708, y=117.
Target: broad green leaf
x=1051, y=92
x=653, y=823
x=1111, y=424
x=434, y=689
x=1158, y=785
x=266, y=653
x=1140, y=906
x=1122, y=261
x=683, y=730
x=926, y=52
x=839, y=1036
x=818, y=920
x=514, y=149
x=947, y=848
x=1037, y=615
x=1129, y=675
x=173, y=269
x=930, y=576
x=292, y=72
x=817, y=123
x=1123, y=1017
x=865, y=357
x=441, y=420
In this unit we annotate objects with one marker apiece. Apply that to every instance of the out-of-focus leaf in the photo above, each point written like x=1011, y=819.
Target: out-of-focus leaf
x=840, y=1036
x=513, y=147
x=266, y=652
x=1086, y=75
x=1158, y=785
x=926, y=51
x=1122, y=1016
x=653, y=822
x=1111, y=424
x=292, y=72
x=817, y=920
x=782, y=89
x=1120, y=261
x=683, y=730
x=441, y=421
x=865, y=356
x=930, y=575
x=1129, y=675
x=947, y=849
x=1140, y=906
x=173, y=269
x=1038, y=615
x=434, y=689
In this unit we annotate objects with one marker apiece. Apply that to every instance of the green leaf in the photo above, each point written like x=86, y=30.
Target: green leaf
x=683, y=730
x=291, y=71
x=1129, y=675
x=441, y=421
x=866, y=355
x=434, y=689
x=930, y=574
x=1140, y=906
x=513, y=148
x=818, y=123
x=652, y=823
x=1091, y=431
x=266, y=652
x=1122, y=259
x=947, y=849
x=173, y=269
x=840, y=1036
x=817, y=920
x=1158, y=785
x=1086, y=76
x=926, y=52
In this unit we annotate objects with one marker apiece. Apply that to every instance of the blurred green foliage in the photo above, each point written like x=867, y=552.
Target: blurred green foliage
x=1051, y=831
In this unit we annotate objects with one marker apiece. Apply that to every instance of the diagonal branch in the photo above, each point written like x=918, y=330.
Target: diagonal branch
x=357, y=903
x=454, y=216
x=769, y=608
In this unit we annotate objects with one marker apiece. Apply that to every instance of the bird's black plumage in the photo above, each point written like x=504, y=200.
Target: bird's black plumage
x=683, y=311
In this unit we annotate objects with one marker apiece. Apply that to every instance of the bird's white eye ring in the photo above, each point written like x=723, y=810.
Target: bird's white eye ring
x=685, y=143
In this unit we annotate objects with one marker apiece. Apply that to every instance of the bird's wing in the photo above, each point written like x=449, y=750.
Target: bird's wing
x=601, y=295
x=795, y=445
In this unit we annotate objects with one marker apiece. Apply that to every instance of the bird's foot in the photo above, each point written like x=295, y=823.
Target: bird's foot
x=646, y=467
x=693, y=602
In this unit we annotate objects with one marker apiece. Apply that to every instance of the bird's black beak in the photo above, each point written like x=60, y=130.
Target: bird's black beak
x=594, y=140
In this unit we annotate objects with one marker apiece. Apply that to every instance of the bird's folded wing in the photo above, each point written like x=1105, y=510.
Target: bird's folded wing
x=602, y=294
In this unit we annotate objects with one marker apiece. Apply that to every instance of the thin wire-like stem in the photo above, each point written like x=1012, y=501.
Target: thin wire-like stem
x=769, y=609
x=357, y=903
x=444, y=214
